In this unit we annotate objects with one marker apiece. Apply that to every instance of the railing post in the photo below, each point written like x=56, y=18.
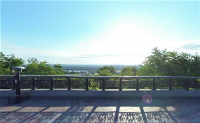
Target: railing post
x=69, y=83
x=33, y=83
x=13, y=87
x=154, y=84
x=170, y=84
x=137, y=85
x=86, y=88
x=120, y=84
x=103, y=89
x=186, y=84
x=52, y=83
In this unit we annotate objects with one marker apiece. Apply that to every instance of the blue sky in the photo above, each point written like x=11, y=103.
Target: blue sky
x=98, y=32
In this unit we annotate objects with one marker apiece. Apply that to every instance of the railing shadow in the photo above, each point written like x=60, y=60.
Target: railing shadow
x=100, y=110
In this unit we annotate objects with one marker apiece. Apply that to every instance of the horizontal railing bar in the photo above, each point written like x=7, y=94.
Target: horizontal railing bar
x=7, y=76
x=62, y=76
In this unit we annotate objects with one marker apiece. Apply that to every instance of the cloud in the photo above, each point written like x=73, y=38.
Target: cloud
x=85, y=57
x=10, y=48
x=191, y=47
x=53, y=56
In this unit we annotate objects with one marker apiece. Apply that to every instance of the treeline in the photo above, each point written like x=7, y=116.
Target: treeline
x=159, y=63
x=166, y=63
x=110, y=71
x=34, y=66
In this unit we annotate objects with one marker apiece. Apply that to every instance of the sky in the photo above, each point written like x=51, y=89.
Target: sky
x=98, y=32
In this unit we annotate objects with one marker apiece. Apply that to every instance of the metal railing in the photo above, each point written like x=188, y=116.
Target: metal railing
x=152, y=82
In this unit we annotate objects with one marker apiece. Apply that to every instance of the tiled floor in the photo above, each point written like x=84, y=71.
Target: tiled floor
x=101, y=110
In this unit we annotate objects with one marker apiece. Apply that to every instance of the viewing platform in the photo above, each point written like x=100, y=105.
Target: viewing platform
x=101, y=110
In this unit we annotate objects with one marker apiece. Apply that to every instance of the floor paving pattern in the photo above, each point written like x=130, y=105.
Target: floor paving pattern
x=107, y=110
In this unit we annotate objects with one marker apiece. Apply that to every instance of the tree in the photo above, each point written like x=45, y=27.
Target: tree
x=36, y=67
x=129, y=71
x=58, y=69
x=166, y=63
x=195, y=65
x=33, y=60
x=7, y=62
x=106, y=71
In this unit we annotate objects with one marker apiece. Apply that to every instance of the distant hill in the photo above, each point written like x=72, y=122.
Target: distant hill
x=91, y=67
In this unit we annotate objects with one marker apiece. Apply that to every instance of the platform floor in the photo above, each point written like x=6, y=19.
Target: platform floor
x=60, y=110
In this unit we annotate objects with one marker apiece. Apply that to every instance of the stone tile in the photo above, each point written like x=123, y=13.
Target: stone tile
x=190, y=117
x=3, y=114
x=83, y=109
x=9, y=108
x=129, y=117
x=65, y=108
x=153, y=109
x=100, y=117
x=158, y=117
x=99, y=109
x=16, y=117
x=102, y=110
x=75, y=117
x=54, y=109
x=195, y=120
x=129, y=109
x=73, y=109
x=106, y=109
x=31, y=109
x=84, y=116
x=45, y=117
x=174, y=108
x=65, y=118
x=112, y=108
x=90, y=108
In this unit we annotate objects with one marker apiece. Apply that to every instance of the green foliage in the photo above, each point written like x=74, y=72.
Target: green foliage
x=106, y=71
x=7, y=62
x=93, y=86
x=129, y=71
x=166, y=63
x=73, y=72
x=36, y=67
x=58, y=69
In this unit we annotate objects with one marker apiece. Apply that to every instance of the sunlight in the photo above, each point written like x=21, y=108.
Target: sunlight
x=121, y=38
x=124, y=42
x=153, y=109
x=172, y=108
x=126, y=34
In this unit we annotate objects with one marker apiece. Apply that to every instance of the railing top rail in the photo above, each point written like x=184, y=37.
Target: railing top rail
x=64, y=76
x=7, y=76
